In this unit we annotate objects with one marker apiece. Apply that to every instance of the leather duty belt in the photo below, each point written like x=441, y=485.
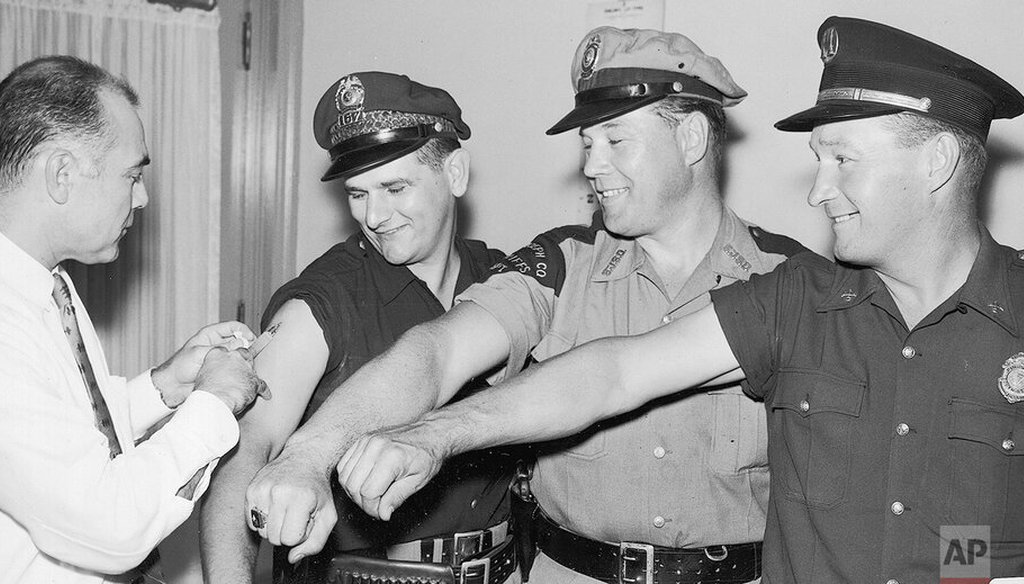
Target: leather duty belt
x=641, y=563
x=491, y=567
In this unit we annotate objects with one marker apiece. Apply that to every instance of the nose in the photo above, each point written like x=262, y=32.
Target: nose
x=824, y=188
x=140, y=196
x=595, y=161
x=378, y=210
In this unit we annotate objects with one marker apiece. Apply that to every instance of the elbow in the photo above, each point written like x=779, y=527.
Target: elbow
x=622, y=391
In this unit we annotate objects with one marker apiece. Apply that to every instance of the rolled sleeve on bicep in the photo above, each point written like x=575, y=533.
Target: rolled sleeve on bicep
x=746, y=322
x=523, y=309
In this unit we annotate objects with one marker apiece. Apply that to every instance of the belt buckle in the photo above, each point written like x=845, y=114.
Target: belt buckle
x=629, y=556
x=470, y=572
x=467, y=545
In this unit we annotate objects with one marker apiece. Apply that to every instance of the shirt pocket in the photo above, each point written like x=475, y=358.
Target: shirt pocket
x=815, y=414
x=986, y=449
x=740, y=433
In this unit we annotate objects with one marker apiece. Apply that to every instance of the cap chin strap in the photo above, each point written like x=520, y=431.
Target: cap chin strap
x=922, y=104
x=364, y=141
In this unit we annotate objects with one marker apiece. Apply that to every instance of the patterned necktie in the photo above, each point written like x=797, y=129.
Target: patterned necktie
x=150, y=568
x=105, y=424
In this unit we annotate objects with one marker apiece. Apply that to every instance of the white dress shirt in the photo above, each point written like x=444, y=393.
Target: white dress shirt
x=68, y=513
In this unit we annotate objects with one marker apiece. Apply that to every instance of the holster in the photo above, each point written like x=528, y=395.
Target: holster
x=524, y=509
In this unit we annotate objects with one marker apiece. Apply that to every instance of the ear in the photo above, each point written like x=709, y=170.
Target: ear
x=57, y=170
x=456, y=171
x=942, y=158
x=692, y=135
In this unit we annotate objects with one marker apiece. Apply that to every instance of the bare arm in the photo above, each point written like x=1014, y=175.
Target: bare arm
x=291, y=365
x=559, y=398
x=421, y=371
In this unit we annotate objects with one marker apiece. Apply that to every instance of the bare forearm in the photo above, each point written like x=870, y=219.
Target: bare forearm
x=395, y=388
x=561, y=397
x=229, y=547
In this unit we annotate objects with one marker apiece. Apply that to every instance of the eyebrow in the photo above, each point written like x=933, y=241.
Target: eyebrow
x=829, y=143
x=606, y=125
x=396, y=182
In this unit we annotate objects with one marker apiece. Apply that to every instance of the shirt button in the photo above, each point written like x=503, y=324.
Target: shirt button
x=897, y=508
x=666, y=319
x=659, y=522
x=659, y=452
x=1009, y=444
x=909, y=352
x=902, y=429
x=804, y=405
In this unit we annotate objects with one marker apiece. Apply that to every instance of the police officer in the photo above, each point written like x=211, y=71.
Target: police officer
x=395, y=149
x=894, y=380
x=684, y=484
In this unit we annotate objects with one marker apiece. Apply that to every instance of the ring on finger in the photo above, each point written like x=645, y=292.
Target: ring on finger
x=259, y=518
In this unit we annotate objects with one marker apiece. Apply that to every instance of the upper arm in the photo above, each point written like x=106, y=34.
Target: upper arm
x=292, y=365
x=689, y=352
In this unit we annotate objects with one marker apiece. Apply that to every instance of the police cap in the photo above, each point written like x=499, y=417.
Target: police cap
x=616, y=71
x=874, y=70
x=367, y=119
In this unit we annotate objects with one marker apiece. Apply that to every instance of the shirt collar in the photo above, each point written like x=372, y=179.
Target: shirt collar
x=391, y=280
x=23, y=274
x=852, y=286
x=733, y=254
x=986, y=289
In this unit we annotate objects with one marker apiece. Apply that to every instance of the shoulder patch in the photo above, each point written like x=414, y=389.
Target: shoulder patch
x=543, y=259
x=773, y=243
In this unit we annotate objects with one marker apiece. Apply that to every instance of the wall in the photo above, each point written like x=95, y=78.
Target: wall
x=507, y=65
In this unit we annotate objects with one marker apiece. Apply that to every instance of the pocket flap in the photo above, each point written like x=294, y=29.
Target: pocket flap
x=808, y=392
x=998, y=427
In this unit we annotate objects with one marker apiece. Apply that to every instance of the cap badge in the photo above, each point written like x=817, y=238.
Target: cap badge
x=349, y=99
x=590, y=57
x=1011, y=382
x=829, y=44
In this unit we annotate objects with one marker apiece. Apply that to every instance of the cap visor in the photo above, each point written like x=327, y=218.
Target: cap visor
x=595, y=113
x=834, y=111
x=359, y=161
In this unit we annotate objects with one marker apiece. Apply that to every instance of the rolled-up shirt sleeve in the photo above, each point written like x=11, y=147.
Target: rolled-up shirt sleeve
x=77, y=504
x=747, y=312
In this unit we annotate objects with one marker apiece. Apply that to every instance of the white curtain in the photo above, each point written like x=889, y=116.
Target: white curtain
x=165, y=284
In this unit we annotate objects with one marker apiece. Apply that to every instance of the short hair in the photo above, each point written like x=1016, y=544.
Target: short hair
x=436, y=151
x=672, y=108
x=911, y=130
x=49, y=98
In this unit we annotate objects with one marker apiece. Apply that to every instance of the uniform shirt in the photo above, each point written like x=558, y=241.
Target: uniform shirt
x=882, y=437
x=363, y=304
x=63, y=501
x=690, y=470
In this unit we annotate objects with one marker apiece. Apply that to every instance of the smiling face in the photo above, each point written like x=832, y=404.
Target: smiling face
x=635, y=165
x=874, y=192
x=406, y=209
x=109, y=189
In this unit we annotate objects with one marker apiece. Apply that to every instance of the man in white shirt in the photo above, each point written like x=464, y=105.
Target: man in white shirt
x=79, y=501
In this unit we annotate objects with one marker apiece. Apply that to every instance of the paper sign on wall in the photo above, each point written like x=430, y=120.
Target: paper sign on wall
x=626, y=13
